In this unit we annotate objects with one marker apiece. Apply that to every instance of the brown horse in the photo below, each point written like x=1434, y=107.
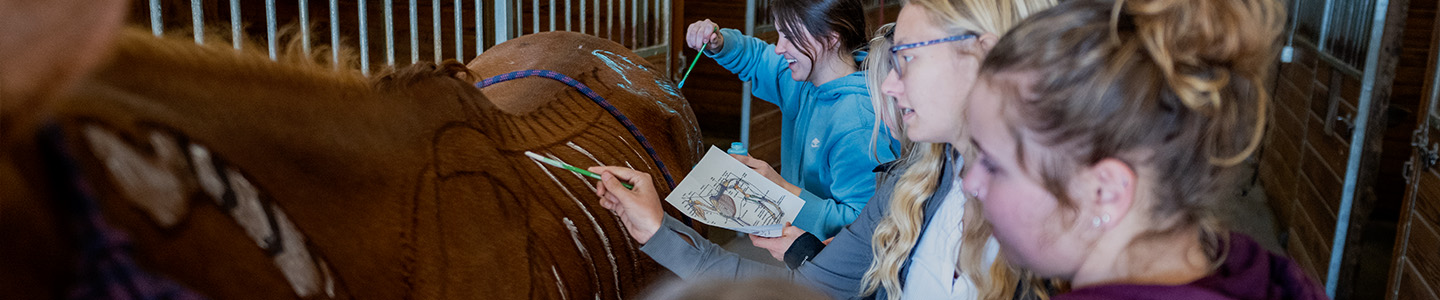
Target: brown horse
x=239, y=177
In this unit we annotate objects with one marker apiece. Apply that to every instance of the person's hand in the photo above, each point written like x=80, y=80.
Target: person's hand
x=703, y=32
x=766, y=170
x=778, y=245
x=639, y=208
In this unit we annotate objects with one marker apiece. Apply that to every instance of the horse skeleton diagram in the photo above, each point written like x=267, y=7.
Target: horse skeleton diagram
x=721, y=191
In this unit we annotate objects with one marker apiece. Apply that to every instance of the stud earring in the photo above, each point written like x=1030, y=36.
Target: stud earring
x=1100, y=220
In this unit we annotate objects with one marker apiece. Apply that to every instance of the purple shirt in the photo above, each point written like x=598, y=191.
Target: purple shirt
x=1249, y=273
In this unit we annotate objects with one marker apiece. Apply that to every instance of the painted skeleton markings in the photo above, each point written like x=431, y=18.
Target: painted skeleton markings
x=600, y=232
x=559, y=284
x=142, y=177
x=209, y=178
x=609, y=252
x=158, y=184
x=637, y=153
x=629, y=243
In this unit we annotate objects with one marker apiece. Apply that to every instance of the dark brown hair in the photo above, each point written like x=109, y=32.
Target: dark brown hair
x=819, y=18
x=1172, y=85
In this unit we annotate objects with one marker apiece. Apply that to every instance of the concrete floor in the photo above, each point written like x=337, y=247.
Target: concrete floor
x=1247, y=212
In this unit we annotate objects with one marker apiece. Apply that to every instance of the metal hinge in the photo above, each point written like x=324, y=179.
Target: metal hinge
x=1344, y=126
x=1427, y=156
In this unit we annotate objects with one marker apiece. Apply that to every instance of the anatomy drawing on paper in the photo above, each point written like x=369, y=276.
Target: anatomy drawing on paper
x=723, y=192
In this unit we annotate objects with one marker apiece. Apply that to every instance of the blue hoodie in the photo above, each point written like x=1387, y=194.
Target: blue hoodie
x=826, y=129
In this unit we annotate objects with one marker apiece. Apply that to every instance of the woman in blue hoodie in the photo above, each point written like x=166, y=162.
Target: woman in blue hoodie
x=813, y=74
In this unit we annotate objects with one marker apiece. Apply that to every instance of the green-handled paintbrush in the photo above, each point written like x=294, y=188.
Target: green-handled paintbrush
x=693, y=61
x=563, y=165
x=692, y=65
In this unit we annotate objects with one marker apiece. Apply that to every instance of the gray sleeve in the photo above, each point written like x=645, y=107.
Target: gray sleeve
x=837, y=270
x=704, y=259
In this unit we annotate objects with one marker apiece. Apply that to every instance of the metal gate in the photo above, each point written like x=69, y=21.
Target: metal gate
x=459, y=29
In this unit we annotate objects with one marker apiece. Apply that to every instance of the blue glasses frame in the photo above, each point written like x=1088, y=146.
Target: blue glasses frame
x=895, y=60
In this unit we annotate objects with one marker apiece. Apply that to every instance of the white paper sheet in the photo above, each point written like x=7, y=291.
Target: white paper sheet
x=723, y=192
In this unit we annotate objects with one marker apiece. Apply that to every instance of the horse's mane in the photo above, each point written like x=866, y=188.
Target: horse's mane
x=292, y=62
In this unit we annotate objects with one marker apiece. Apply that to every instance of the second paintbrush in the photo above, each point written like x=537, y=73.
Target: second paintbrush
x=563, y=165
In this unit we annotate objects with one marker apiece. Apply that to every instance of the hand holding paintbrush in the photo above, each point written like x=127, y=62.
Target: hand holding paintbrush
x=637, y=204
x=703, y=36
x=568, y=167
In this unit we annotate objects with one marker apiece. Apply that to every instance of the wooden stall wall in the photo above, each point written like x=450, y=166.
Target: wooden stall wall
x=1414, y=272
x=1304, y=158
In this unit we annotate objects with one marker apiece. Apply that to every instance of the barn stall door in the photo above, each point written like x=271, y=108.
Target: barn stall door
x=1415, y=268
x=1323, y=167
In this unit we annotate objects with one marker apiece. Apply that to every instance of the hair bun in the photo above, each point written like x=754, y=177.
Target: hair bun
x=1200, y=44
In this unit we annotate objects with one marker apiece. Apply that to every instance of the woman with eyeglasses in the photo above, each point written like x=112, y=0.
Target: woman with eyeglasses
x=919, y=237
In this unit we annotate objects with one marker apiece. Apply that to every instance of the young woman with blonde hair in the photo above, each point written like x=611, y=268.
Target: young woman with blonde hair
x=918, y=241
x=1106, y=133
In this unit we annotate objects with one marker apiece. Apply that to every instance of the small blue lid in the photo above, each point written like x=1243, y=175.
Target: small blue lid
x=737, y=148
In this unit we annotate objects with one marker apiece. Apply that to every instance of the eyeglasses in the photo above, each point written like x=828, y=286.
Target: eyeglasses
x=897, y=61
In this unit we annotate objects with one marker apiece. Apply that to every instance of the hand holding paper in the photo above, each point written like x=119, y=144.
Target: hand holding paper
x=723, y=192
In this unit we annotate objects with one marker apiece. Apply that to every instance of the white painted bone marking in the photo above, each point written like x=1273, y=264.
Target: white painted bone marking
x=154, y=182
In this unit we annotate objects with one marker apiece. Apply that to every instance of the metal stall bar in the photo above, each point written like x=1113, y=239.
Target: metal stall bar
x=610, y=19
x=655, y=15
x=480, y=28
x=1342, y=28
x=552, y=14
x=235, y=23
x=502, y=25
x=414, y=33
x=669, y=22
x=568, y=15
x=459, y=34
x=364, y=40
x=632, y=23
x=745, y=89
x=1357, y=144
x=582, y=16
x=270, y=27
x=389, y=32
x=645, y=9
x=435, y=13
x=197, y=20
x=156, y=25
x=622, y=30
x=1324, y=25
x=335, y=34
x=304, y=26
x=1287, y=54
